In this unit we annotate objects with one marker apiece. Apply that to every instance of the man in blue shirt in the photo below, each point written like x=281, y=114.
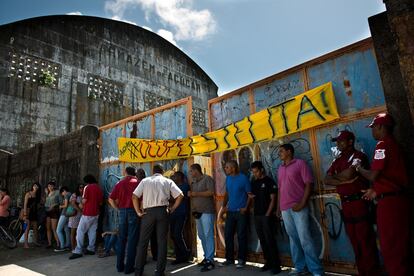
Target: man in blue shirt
x=178, y=219
x=236, y=202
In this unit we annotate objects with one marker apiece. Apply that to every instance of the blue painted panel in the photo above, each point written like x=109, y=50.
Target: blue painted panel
x=327, y=149
x=171, y=123
x=278, y=91
x=230, y=110
x=109, y=148
x=143, y=128
x=358, y=71
x=340, y=248
x=108, y=177
x=269, y=151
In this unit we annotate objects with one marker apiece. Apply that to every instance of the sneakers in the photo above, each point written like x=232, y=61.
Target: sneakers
x=227, y=263
x=208, y=265
x=240, y=264
x=59, y=250
x=75, y=256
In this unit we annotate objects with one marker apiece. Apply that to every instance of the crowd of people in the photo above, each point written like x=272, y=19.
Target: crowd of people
x=151, y=207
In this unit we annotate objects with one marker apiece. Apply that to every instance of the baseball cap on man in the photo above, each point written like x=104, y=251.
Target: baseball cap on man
x=382, y=119
x=344, y=135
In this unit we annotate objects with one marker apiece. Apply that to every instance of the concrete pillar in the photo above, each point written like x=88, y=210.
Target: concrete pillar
x=393, y=35
x=89, y=157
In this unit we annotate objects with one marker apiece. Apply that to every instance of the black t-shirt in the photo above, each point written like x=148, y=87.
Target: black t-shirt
x=262, y=189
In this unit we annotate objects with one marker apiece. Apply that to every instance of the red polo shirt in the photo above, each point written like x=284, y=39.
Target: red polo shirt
x=94, y=197
x=122, y=192
x=343, y=162
x=389, y=161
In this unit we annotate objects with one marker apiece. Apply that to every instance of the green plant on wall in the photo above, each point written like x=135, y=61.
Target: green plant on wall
x=47, y=79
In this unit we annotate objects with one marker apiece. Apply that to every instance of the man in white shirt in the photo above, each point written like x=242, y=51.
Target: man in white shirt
x=155, y=192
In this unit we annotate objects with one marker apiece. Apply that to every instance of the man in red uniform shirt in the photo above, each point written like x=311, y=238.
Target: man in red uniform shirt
x=389, y=176
x=91, y=201
x=128, y=227
x=355, y=210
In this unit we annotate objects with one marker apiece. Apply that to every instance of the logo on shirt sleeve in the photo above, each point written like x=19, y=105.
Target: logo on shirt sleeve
x=379, y=154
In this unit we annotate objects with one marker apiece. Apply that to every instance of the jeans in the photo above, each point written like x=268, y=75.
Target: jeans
x=128, y=230
x=87, y=224
x=177, y=222
x=111, y=242
x=235, y=220
x=205, y=229
x=302, y=247
x=63, y=232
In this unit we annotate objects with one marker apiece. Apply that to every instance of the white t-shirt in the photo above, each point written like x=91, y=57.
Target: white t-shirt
x=156, y=190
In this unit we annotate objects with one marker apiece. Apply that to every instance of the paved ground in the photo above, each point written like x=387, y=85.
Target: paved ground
x=41, y=261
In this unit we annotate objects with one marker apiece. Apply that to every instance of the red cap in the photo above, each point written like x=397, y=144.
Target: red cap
x=344, y=135
x=382, y=119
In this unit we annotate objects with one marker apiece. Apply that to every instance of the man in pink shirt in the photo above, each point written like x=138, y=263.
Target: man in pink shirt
x=295, y=186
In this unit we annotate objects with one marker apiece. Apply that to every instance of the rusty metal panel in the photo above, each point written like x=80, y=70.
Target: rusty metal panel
x=327, y=149
x=355, y=78
x=229, y=110
x=278, y=91
x=167, y=122
x=340, y=249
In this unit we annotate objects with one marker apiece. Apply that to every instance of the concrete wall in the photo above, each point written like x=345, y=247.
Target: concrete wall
x=104, y=71
x=393, y=35
x=67, y=159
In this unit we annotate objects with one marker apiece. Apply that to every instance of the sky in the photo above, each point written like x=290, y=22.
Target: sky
x=236, y=42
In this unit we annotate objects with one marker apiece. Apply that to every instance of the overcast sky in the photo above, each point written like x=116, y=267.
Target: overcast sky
x=236, y=42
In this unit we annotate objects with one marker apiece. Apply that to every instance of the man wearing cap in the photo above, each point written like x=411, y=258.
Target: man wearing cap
x=390, y=180
x=355, y=210
x=155, y=191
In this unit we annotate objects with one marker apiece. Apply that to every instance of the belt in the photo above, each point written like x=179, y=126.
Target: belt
x=352, y=197
x=381, y=196
x=155, y=207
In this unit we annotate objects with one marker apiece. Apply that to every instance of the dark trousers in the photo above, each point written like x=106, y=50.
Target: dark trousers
x=159, y=217
x=177, y=222
x=362, y=236
x=265, y=228
x=235, y=221
x=394, y=234
x=153, y=242
x=128, y=233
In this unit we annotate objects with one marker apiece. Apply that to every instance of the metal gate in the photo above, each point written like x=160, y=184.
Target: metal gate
x=358, y=91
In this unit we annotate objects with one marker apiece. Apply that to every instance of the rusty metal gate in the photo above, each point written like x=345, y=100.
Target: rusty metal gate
x=357, y=86
x=171, y=121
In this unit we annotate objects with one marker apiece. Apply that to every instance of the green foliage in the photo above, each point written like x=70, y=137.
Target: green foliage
x=47, y=79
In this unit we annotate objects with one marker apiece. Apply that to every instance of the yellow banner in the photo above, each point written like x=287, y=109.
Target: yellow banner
x=312, y=108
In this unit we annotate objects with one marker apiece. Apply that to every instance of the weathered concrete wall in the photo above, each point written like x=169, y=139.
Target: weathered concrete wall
x=104, y=71
x=66, y=159
x=395, y=92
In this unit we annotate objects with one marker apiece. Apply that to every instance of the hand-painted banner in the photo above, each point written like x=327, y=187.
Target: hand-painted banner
x=312, y=108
